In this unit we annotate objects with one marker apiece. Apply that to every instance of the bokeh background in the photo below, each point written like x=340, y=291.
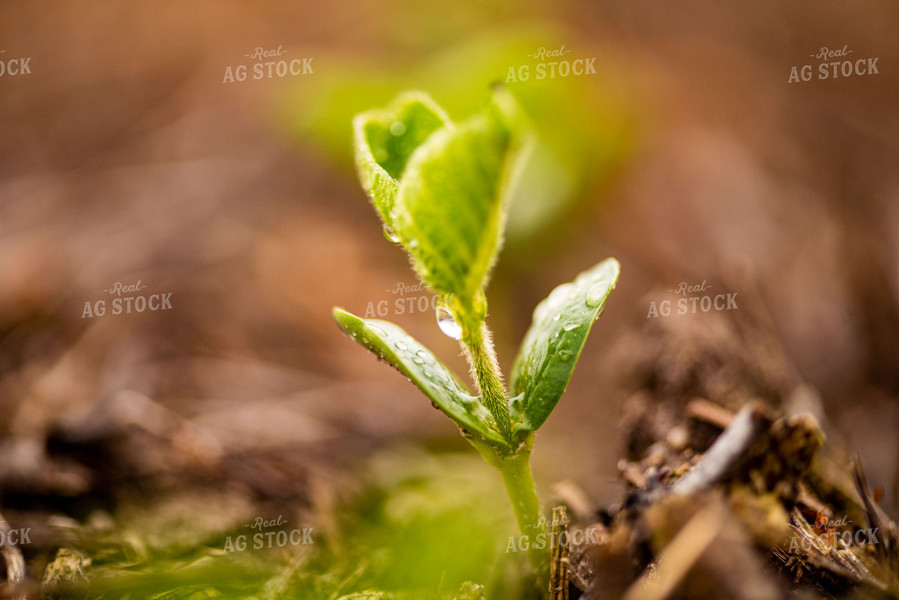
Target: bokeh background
x=689, y=155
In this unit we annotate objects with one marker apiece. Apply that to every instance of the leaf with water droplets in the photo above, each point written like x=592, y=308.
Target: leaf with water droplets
x=552, y=345
x=384, y=141
x=450, y=204
x=446, y=322
x=391, y=343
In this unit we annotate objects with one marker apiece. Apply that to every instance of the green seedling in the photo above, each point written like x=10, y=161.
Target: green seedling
x=440, y=189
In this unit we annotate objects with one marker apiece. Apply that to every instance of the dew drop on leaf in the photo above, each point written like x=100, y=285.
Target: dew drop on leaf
x=401, y=345
x=557, y=296
x=397, y=128
x=570, y=325
x=447, y=323
x=541, y=311
x=388, y=233
x=595, y=295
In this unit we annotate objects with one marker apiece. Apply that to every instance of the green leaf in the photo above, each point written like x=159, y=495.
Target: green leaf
x=552, y=345
x=384, y=141
x=450, y=205
x=392, y=344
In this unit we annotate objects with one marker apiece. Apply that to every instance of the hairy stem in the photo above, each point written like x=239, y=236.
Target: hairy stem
x=479, y=346
x=514, y=466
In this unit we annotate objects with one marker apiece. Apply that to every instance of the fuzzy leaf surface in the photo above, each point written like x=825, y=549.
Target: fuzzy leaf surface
x=552, y=345
x=450, y=205
x=392, y=344
x=385, y=139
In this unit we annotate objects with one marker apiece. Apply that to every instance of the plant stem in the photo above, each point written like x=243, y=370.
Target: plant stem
x=514, y=466
x=523, y=495
x=479, y=344
x=515, y=470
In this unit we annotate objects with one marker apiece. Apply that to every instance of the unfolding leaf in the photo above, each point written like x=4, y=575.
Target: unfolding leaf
x=384, y=141
x=392, y=344
x=553, y=343
x=450, y=205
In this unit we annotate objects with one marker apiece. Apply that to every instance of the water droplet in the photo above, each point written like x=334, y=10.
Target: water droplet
x=447, y=323
x=557, y=317
x=418, y=360
x=401, y=345
x=595, y=295
x=388, y=233
x=558, y=296
x=397, y=128
x=564, y=354
x=541, y=311
x=570, y=325
x=377, y=330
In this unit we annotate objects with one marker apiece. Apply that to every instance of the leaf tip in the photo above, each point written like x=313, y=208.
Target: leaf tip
x=345, y=320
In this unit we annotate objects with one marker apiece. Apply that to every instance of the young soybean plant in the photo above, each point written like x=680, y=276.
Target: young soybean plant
x=440, y=189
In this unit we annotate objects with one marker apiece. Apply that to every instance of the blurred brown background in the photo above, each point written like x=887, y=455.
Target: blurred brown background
x=689, y=155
